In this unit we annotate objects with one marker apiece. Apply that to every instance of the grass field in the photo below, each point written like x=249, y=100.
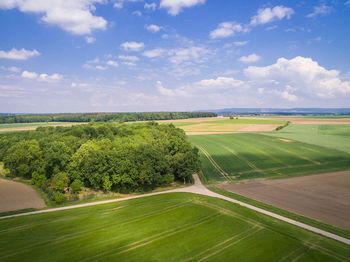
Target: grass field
x=248, y=156
x=331, y=136
x=225, y=125
x=172, y=227
x=16, y=125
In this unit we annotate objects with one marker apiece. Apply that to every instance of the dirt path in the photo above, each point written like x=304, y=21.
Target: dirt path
x=17, y=196
x=197, y=188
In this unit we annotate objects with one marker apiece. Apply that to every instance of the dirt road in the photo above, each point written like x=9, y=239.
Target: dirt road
x=197, y=188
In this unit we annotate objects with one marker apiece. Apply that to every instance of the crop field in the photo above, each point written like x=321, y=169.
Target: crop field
x=32, y=126
x=225, y=125
x=248, y=156
x=171, y=227
x=331, y=136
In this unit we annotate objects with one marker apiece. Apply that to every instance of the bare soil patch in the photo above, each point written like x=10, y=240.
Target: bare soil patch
x=259, y=128
x=286, y=140
x=324, y=197
x=194, y=120
x=311, y=121
x=18, y=196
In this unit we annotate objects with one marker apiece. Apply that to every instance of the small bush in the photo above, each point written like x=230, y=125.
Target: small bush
x=60, y=181
x=38, y=179
x=76, y=186
x=58, y=197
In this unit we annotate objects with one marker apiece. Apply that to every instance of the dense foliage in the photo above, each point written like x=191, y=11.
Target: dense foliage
x=104, y=156
x=101, y=117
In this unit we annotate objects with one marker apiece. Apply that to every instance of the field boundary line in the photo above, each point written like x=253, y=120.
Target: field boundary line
x=156, y=237
x=243, y=159
x=213, y=162
x=221, y=243
x=231, y=244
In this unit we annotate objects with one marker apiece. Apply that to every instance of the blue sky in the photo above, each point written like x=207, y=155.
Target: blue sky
x=172, y=55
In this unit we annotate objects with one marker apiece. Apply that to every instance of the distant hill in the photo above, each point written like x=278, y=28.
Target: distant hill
x=282, y=111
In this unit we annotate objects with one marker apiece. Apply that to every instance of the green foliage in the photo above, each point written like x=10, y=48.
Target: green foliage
x=60, y=181
x=103, y=156
x=76, y=186
x=101, y=117
x=58, y=197
x=24, y=158
x=38, y=179
x=169, y=227
x=281, y=127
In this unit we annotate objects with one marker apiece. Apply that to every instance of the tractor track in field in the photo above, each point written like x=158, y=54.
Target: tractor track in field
x=200, y=189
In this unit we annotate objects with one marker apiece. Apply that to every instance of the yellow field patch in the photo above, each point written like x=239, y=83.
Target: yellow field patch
x=207, y=127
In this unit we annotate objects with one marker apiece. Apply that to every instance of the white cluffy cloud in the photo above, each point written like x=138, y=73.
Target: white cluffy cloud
x=90, y=39
x=151, y=6
x=227, y=29
x=41, y=77
x=153, y=28
x=263, y=16
x=132, y=46
x=21, y=54
x=128, y=58
x=252, y=58
x=304, y=74
x=154, y=53
x=75, y=16
x=268, y=15
x=174, y=7
x=320, y=10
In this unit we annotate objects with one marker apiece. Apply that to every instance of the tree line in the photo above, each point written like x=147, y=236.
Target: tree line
x=103, y=156
x=101, y=117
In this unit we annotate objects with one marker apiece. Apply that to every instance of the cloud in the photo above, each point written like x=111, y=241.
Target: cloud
x=50, y=78
x=304, y=74
x=41, y=77
x=90, y=39
x=240, y=43
x=112, y=63
x=132, y=46
x=128, y=58
x=286, y=95
x=137, y=13
x=191, y=54
x=29, y=75
x=268, y=15
x=320, y=10
x=227, y=29
x=174, y=7
x=347, y=2
x=21, y=54
x=252, y=58
x=220, y=82
x=154, y=53
x=164, y=91
x=153, y=28
x=151, y=6
x=75, y=16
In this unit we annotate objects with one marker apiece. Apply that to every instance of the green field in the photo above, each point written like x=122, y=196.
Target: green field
x=331, y=136
x=248, y=156
x=171, y=227
x=18, y=125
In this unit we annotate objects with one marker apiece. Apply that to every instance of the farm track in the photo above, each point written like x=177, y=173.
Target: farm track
x=198, y=188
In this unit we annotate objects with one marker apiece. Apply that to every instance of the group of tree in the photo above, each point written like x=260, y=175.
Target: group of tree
x=102, y=156
x=101, y=117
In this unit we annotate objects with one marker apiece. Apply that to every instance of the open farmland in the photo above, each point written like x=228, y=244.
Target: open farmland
x=323, y=197
x=222, y=125
x=171, y=227
x=331, y=136
x=32, y=126
x=247, y=156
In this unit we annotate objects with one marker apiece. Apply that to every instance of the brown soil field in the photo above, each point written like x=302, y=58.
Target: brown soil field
x=259, y=128
x=18, y=196
x=225, y=129
x=194, y=120
x=324, y=197
x=35, y=127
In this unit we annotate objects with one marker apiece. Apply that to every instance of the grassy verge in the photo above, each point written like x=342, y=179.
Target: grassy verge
x=329, y=228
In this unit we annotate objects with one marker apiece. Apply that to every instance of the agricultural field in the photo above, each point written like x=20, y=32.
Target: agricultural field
x=171, y=227
x=32, y=126
x=247, y=156
x=330, y=136
x=225, y=125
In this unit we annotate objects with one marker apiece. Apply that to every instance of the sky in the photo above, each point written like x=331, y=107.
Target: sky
x=172, y=55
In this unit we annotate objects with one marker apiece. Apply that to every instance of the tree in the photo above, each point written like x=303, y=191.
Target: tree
x=60, y=181
x=76, y=186
x=24, y=158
